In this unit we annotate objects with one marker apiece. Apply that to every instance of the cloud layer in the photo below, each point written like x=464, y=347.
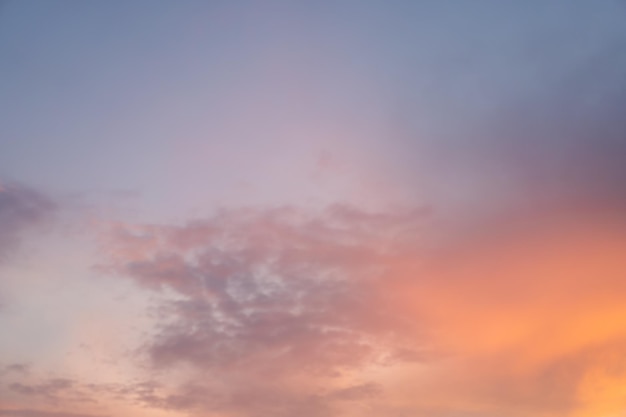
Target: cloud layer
x=425, y=209
x=278, y=312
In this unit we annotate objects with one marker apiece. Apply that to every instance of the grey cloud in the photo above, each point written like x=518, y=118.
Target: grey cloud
x=356, y=392
x=50, y=388
x=270, y=295
x=260, y=285
x=263, y=400
x=19, y=368
x=20, y=208
x=58, y=391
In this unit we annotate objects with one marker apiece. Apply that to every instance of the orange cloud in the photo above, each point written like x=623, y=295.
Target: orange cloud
x=526, y=306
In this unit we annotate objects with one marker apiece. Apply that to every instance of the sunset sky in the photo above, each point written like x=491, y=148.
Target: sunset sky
x=313, y=208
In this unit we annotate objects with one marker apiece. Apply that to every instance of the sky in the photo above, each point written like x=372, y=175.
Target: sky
x=344, y=208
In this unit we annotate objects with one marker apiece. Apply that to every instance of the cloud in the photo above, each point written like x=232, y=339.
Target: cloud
x=275, y=304
x=49, y=389
x=20, y=208
x=19, y=368
x=48, y=395
x=37, y=413
x=277, y=312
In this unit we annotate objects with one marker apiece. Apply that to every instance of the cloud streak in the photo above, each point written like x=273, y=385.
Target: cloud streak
x=36, y=413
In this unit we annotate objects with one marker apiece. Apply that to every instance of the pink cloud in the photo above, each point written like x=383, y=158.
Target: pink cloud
x=282, y=312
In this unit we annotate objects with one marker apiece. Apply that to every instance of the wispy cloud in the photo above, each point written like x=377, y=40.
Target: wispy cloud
x=20, y=208
x=36, y=413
